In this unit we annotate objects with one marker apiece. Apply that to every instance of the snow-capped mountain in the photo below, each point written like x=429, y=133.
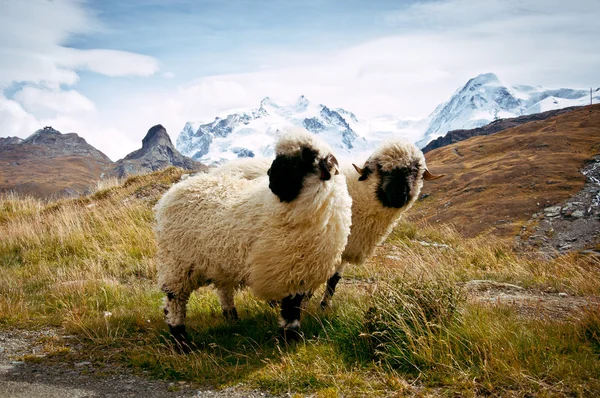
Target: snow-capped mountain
x=485, y=99
x=480, y=101
x=253, y=132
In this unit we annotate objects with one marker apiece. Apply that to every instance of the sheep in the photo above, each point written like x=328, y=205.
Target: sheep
x=247, y=168
x=282, y=235
x=388, y=184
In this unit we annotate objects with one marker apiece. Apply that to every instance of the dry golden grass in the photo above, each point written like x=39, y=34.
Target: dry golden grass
x=401, y=324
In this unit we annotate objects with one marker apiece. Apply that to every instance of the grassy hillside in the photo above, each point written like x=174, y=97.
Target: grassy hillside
x=497, y=182
x=431, y=314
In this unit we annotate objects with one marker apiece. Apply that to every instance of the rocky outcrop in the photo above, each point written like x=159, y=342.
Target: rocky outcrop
x=57, y=144
x=571, y=225
x=494, y=127
x=10, y=140
x=157, y=152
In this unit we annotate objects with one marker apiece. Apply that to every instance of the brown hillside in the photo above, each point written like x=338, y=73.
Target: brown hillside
x=497, y=182
x=33, y=171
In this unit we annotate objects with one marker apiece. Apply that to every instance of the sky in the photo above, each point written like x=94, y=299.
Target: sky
x=109, y=70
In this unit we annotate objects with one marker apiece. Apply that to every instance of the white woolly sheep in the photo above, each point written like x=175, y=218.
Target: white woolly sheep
x=282, y=234
x=388, y=184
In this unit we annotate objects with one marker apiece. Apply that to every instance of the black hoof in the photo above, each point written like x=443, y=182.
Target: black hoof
x=291, y=335
x=180, y=336
x=231, y=314
x=324, y=305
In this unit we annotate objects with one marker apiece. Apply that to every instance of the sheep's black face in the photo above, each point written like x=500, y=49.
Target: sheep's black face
x=394, y=188
x=287, y=173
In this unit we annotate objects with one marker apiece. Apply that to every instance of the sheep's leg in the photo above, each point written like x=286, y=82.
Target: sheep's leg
x=226, y=297
x=289, y=320
x=175, y=311
x=305, y=300
x=331, y=284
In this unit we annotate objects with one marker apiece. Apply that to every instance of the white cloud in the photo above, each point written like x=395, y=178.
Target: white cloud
x=32, y=34
x=438, y=47
x=443, y=45
x=32, y=52
x=107, y=62
x=36, y=99
x=14, y=120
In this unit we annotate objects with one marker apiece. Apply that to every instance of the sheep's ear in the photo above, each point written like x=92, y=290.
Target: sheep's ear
x=427, y=176
x=364, y=172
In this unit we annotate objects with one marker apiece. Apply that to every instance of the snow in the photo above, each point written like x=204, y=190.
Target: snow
x=481, y=100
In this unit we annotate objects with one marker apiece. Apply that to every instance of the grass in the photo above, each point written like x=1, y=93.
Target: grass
x=400, y=325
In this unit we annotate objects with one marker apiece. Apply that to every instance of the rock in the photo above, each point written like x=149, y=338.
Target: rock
x=82, y=364
x=562, y=294
x=157, y=152
x=577, y=214
x=553, y=211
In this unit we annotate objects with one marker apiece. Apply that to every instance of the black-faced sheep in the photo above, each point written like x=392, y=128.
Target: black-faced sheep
x=282, y=234
x=387, y=185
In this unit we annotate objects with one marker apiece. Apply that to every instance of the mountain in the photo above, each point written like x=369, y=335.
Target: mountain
x=498, y=125
x=48, y=164
x=485, y=98
x=508, y=180
x=482, y=100
x=51, y=164
x=10, y=140
x=253, y=132
x=157, y=153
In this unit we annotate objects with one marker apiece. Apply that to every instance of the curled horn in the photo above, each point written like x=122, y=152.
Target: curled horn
x=334, y=162
x=427, y=176
x=364, y=172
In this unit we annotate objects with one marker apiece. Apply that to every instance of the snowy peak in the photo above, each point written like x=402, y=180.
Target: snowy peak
x=253, y=132
x=486, y=98
x=489, y=79
x=480, y=101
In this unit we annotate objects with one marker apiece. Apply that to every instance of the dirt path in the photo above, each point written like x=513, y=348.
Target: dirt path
x=36, y=379
x=531, y=304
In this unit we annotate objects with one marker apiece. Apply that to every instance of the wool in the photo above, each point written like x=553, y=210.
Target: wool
x=371, y=220
x=226, y=230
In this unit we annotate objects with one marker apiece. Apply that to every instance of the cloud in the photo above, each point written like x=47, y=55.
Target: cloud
x=32, y=37
x=107, y=62
x=34, y=55
x=14, y=120
x=36, y=99
x=440, y=45
x=429, y=50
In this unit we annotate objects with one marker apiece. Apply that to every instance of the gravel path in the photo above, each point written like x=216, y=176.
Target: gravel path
x=36, y=379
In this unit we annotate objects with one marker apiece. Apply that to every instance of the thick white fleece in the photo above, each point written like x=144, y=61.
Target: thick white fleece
x=230, y=231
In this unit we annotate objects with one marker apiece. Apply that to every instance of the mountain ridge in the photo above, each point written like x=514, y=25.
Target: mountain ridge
x=49, y=164
x=480, y=101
